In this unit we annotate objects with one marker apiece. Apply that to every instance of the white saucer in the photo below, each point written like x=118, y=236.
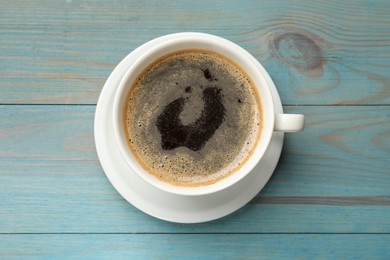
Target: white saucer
x=160, y=204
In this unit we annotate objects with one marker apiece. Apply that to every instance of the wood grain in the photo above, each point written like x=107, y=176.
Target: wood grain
x=195, y=246
x=333, y=177
x=317, y=52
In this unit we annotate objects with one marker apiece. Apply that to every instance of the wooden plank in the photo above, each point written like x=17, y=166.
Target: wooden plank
x=51, y=180
x=317, y=52
x=194, y=246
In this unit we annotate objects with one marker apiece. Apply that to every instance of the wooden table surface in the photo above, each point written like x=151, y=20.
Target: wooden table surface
x=329, y=196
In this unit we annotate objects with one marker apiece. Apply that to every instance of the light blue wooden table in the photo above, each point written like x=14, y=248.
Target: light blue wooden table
x=328, y=198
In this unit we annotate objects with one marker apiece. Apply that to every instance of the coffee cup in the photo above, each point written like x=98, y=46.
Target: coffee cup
x=257, y=75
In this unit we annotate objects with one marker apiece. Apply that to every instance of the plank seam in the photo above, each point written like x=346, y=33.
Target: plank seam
x=196, y=233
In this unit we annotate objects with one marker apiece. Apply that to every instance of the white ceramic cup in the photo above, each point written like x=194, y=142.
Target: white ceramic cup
x=271, y=121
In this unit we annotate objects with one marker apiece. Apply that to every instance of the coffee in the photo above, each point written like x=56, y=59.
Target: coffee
x=192, y=118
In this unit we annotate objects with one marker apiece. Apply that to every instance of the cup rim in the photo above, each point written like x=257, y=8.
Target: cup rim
x=255, y=74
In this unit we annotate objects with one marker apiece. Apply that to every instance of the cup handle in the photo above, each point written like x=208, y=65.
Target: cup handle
x=289, y=122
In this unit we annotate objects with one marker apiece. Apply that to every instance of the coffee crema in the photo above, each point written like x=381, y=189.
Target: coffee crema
x=192, y=118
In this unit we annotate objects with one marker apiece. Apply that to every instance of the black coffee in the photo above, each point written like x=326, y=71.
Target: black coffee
x=192, y=118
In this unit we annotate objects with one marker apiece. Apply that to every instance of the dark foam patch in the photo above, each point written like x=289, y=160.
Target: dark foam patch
x=194, y=136
x=207, y=75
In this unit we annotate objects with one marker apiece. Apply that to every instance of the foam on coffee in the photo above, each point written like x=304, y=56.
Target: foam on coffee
x=192, y=118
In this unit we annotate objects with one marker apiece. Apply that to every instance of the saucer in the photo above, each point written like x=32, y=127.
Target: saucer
x=158, y=203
